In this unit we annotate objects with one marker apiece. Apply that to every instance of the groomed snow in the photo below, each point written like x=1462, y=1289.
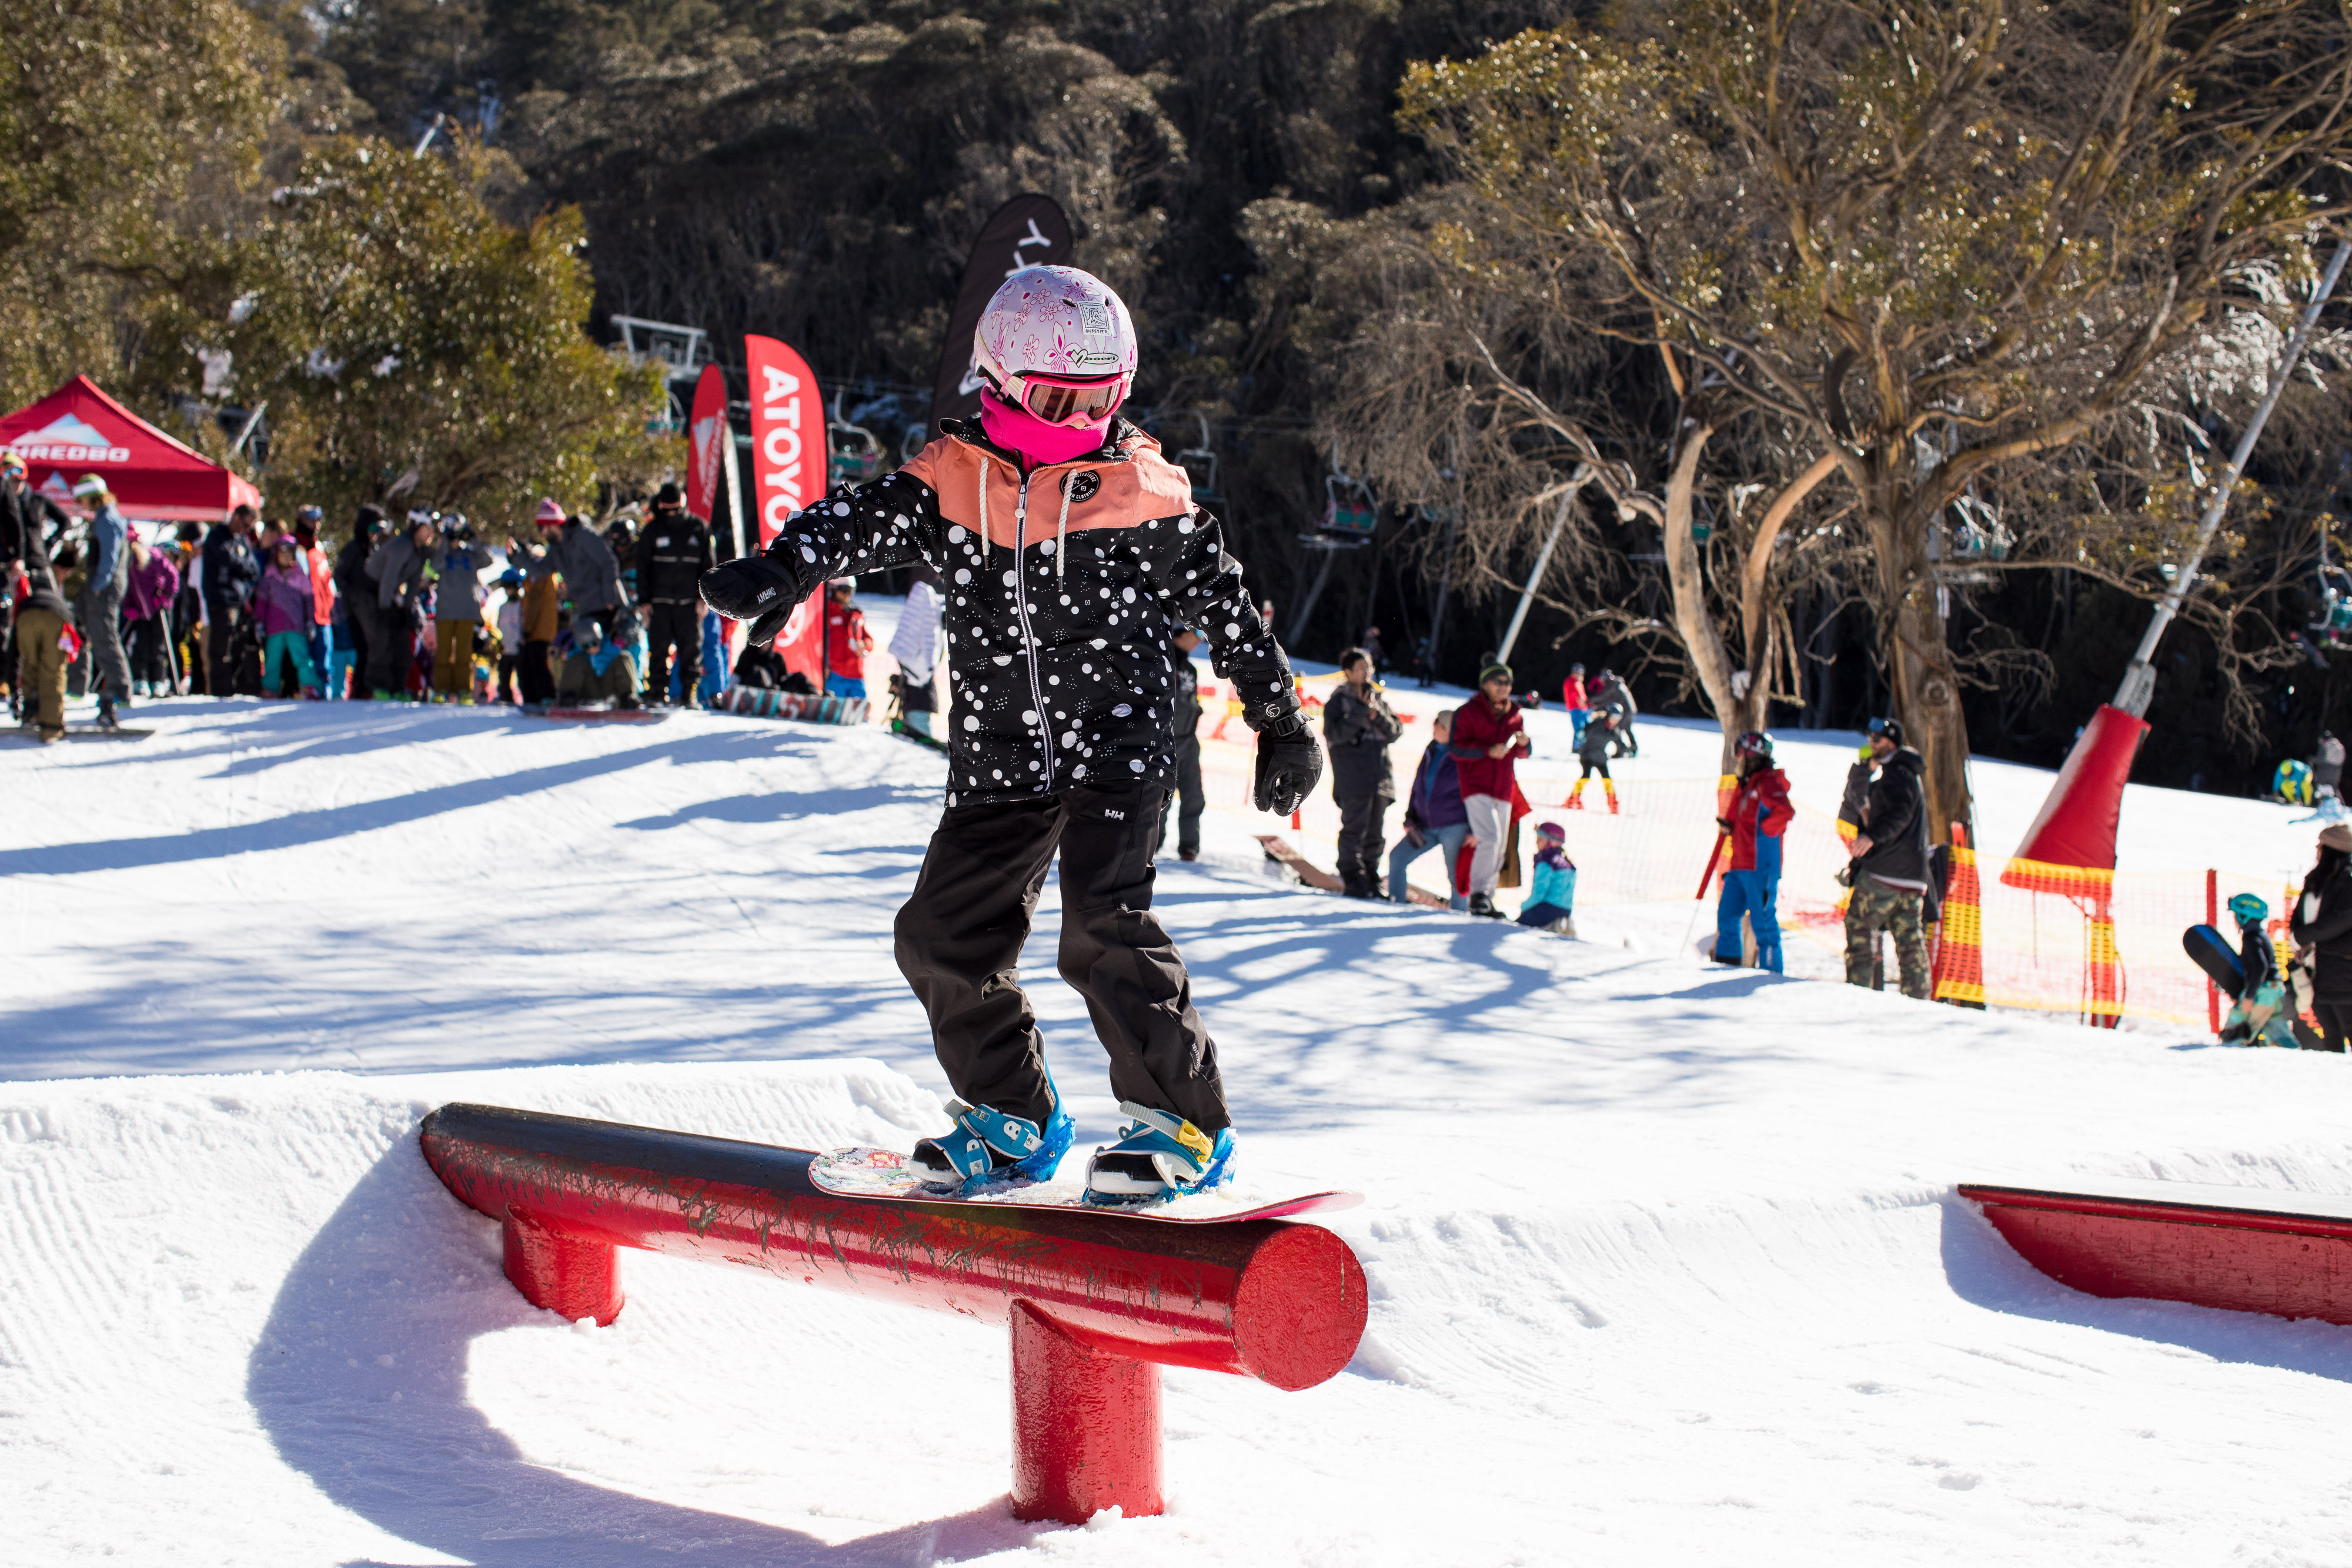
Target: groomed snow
x=1665, y=1262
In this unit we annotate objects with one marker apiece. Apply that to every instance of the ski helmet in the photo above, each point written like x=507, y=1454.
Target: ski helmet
x=1057, y=342
x=1753, y=743
x=2247, y=908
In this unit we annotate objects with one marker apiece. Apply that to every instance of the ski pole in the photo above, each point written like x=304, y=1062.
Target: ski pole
x=1698, y=899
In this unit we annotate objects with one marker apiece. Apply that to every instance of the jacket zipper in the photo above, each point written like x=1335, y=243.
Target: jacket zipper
x=1028, y=636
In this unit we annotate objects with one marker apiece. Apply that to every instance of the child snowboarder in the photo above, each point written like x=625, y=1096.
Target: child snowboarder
x=1070, y=548
x=1551, y=897
x=2264, y=1012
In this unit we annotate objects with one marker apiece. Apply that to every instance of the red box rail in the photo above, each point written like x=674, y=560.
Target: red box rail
x=2288, y=1254
x=1097, y=1303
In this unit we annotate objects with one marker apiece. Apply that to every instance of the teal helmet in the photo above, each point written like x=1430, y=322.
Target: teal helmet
x=2247, y=908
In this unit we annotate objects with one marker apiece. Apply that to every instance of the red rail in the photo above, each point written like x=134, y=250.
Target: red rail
x=1097, y=1303
x=2244, y=1250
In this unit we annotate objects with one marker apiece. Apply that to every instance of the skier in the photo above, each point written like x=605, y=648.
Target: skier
x=1070, y=546
x=1576, y=700
x=2264, y=1013
x=1759, y=814
x=1593, y=751
x=1609, y=692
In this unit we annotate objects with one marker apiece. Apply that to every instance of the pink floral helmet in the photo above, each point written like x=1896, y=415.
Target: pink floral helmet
x=1057, y=342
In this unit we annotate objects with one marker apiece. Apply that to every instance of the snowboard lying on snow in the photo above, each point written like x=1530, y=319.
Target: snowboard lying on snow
x=883, y=1174
x=79, y=732
x=600, y=712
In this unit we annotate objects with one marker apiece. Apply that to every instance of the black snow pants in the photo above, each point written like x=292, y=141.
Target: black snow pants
x=1361, y=818
x=959, y=944
x=668, y=624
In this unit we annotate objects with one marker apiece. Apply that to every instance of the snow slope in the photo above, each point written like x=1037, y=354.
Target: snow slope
x=1665, y=1261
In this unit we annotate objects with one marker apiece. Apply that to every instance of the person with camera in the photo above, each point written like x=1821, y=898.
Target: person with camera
x=1358, y=728
x=1490, y=736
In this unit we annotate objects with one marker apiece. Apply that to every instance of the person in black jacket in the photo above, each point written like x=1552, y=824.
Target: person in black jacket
x=1358, y=730
x=362, y=617
x=1890, y=865
x=231, y=570
x=2322, y=928
x=672, y=555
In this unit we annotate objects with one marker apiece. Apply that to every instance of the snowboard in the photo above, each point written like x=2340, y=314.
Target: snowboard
x=899, y=727
x=2212, y=952
x=602, y=714
x=884, y=1173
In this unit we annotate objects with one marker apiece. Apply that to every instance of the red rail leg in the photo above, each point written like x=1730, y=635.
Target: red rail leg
x=1086, y=1426
x=568, y=1275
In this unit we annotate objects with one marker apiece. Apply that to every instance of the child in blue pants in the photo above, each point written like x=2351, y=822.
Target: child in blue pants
x=1551, y=897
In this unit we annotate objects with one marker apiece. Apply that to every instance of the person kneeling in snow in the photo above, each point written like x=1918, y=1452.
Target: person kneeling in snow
x=1551, y=897
x=1070, y=549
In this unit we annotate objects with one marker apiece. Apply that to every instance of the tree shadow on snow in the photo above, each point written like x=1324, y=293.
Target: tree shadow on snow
x=359, y=1379
x=1985, y=1270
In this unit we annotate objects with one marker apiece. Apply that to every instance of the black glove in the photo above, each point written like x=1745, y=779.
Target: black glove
x=1288, y=764
x=757, y=588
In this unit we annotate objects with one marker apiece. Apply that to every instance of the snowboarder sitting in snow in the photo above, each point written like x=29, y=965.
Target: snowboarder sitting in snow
x=1070, y=548
x=2264, y=1013
x=596, y=670
x=1552, y=899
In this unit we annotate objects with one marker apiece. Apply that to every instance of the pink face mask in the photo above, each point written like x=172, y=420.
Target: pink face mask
x=1018, y=430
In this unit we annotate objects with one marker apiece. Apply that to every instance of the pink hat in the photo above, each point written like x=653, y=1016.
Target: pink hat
x=550, y=516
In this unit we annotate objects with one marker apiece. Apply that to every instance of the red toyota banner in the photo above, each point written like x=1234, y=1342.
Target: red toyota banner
x=787, y=433
x=800, y=644
x=706, y=438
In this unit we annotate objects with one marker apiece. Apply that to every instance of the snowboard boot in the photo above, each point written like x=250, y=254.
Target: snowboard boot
x=1609, y=785
x=987, y=1146
x=1159, y=1155
x=106, y=718
x=1482, y=904
x=1575, y=801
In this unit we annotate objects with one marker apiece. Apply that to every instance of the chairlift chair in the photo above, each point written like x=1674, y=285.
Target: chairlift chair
x=2332, y=624
x=854, y=456
x=1978, y=532
x=1350, y=516
x=1200, y=463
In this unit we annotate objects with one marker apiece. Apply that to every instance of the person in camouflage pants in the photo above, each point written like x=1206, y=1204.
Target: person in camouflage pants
x=1876, y=907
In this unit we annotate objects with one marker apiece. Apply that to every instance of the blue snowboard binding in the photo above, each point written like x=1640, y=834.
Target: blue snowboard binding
x=986, y=1145
x=1158, y=1156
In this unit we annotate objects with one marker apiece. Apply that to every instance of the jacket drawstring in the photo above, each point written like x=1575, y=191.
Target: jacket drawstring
x=1062, y=529
x=983, y=515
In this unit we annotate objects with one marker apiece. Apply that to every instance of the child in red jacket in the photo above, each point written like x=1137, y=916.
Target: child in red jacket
x=1758, y=815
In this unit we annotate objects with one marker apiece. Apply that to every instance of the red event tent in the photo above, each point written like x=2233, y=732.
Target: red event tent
x=78, y=430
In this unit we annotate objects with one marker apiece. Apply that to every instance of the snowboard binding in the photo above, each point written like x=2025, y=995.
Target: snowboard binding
x=987, y=1146
x=1159, y=1155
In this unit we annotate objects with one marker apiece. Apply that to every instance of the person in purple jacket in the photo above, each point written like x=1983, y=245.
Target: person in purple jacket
x=283, y=606
x=1433, y=814
x=147, y=601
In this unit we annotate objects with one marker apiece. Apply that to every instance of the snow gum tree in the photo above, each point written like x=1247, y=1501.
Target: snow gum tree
x=1935, y=246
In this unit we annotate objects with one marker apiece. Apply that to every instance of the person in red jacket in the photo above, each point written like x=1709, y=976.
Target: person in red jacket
x=1489, y=738
x=847, y=641
x=1576, y=700
x=1759, y=814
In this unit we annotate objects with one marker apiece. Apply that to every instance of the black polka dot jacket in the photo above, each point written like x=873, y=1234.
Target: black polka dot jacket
x=1062, y=592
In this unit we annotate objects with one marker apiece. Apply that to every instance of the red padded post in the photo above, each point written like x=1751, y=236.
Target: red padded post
x=573, y=1275
x=1085, y=1425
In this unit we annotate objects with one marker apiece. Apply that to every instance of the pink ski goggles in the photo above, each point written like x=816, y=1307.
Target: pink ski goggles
x=1068, y=400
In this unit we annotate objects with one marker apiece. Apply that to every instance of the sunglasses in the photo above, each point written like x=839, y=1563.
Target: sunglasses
x=1068, y=400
